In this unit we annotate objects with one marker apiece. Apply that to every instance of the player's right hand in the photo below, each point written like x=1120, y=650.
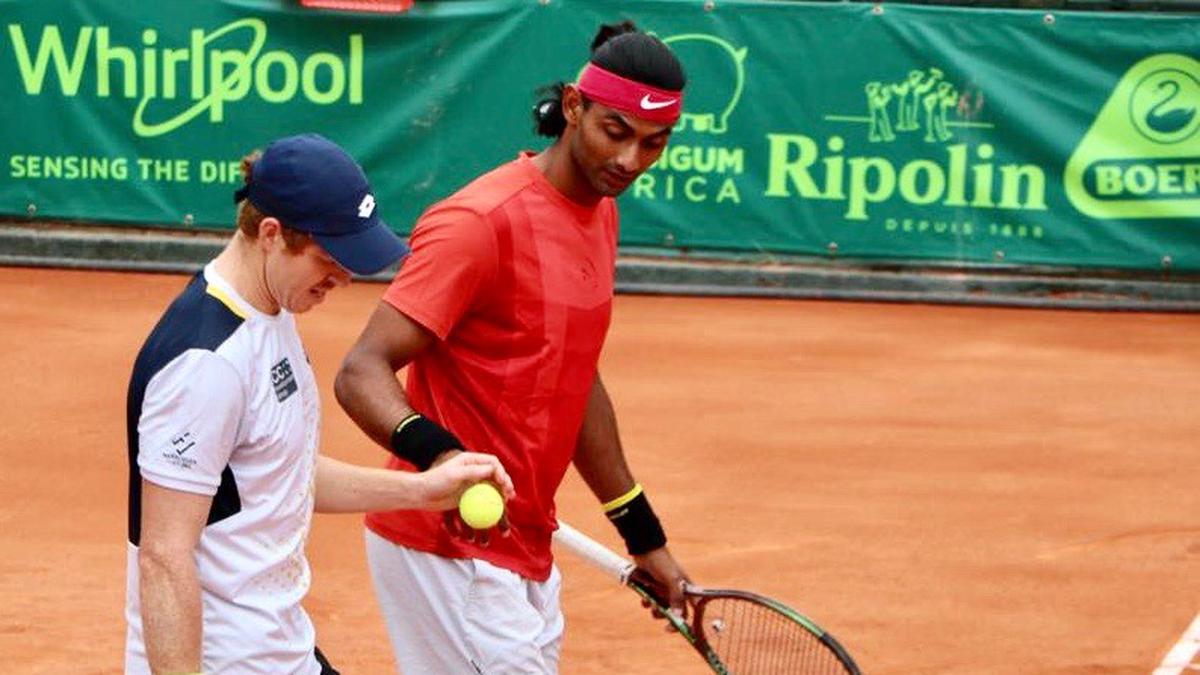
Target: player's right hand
x=670, y=580
x=444, y=482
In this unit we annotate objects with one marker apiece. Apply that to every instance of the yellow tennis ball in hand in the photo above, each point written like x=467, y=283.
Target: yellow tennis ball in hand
x=481, y=506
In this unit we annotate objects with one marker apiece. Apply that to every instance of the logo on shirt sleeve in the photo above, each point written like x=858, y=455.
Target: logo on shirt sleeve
x=283, y=380
x=180, y=444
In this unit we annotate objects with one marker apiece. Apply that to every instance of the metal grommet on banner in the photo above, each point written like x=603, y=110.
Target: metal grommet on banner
x=1048, y=19
x=998, y=255
x=669, y=239
x=543, y=2
x=832, y=248
x=709, y=5
x=877, y=9
x=1166, y=262
x=188, y=219
x=31, y=209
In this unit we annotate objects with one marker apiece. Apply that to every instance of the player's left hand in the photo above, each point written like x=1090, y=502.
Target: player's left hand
x=444, y=483
x=451, y=519
x=670, y=577
x=459, y=529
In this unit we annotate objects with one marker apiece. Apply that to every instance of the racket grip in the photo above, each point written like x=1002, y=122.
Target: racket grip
x=593, y=552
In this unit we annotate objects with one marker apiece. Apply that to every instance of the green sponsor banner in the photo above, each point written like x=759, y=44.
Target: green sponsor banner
x=879, y=132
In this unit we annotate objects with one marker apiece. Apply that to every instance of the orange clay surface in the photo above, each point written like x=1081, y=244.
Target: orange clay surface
x=947, y=490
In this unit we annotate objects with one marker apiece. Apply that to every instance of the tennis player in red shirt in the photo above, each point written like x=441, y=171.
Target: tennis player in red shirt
x=501, y=311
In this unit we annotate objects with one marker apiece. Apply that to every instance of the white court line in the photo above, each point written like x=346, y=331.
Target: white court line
x=1180, y=657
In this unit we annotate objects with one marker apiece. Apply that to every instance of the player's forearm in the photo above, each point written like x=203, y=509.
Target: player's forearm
x=367, y=389
x=171, y=615
x=347, y=488
x=601, y=461
x=599, y=457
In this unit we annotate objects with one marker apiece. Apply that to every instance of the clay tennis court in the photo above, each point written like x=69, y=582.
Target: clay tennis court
x=946, y=489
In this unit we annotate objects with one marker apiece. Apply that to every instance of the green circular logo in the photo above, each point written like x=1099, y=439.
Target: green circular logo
x=1165, y=106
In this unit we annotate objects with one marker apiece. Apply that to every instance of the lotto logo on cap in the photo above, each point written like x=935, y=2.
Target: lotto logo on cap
x=366, y=207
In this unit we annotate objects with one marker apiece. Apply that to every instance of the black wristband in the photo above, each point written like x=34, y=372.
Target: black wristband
x=419, y=441
x=638, y=525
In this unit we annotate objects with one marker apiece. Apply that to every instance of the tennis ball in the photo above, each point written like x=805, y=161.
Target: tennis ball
x=481, y=506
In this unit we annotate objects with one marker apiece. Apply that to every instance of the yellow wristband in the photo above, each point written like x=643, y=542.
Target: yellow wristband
x=405, y=422
x=623, y=499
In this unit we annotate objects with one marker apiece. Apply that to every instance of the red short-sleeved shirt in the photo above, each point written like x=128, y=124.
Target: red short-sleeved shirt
x=516, y=282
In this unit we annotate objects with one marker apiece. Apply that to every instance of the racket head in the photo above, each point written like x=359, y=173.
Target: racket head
x=743, y=633
x=752, y=634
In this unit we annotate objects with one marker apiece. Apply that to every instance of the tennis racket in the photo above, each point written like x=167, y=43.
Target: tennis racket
x=737, y=633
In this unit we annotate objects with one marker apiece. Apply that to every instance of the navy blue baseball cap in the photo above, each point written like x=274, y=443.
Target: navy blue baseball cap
x=310, y=184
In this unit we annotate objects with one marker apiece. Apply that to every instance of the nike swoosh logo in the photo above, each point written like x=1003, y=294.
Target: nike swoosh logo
x=648, y=104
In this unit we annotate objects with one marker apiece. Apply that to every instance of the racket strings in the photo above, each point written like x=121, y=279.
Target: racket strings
x=753, y=639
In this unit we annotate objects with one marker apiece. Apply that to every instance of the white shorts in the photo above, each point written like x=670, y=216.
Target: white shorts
x=447, y=616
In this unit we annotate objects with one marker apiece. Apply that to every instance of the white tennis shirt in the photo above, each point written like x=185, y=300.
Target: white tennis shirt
x=223, y=402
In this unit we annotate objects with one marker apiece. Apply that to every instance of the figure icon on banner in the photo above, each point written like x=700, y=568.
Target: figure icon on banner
x=935, y=104
x=877, y=100
x=922, y=90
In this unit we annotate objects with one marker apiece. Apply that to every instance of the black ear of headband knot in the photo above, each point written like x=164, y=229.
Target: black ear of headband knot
x=241, y=194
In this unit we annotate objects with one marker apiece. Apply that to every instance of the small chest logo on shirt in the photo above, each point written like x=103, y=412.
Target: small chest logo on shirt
x=283, y=380
x=587, y=272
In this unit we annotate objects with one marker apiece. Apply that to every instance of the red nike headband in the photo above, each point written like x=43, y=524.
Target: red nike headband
x=637, y=99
